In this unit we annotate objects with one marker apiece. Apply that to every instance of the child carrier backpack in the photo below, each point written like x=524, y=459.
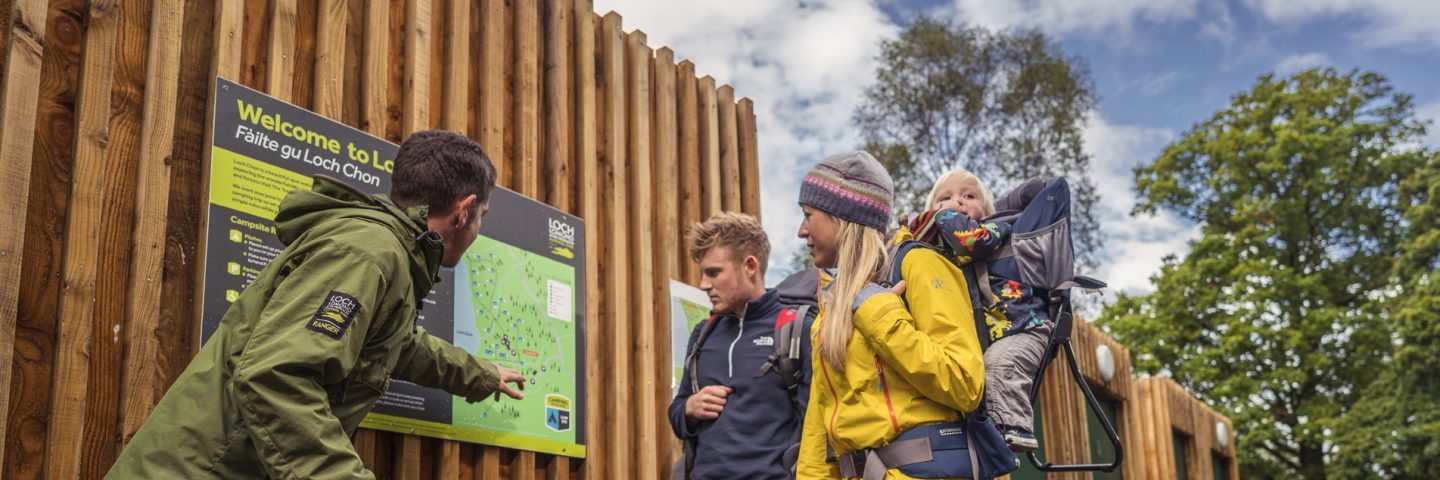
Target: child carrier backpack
x=1039, y=253
x=798, y=299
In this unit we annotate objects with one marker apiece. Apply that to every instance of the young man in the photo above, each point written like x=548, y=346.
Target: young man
x=736, y=410
x=307, y=349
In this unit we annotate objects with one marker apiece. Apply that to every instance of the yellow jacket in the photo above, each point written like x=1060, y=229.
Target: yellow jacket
x=903, y=368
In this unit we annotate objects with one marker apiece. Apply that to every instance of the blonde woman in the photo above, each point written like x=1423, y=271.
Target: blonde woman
x=887, y=371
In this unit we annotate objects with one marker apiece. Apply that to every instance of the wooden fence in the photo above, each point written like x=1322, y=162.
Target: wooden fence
x=103, y=144
x=104, y=127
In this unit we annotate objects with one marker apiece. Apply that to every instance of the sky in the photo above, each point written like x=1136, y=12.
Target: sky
x=1158, y=66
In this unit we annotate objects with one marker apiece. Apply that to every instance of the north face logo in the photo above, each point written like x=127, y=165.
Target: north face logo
x=766, y=341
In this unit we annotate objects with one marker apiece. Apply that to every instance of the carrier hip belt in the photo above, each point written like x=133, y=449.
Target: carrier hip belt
x=871, y=463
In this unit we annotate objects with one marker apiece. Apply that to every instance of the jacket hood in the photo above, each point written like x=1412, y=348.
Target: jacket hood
x=329, y=199
x=800, y=288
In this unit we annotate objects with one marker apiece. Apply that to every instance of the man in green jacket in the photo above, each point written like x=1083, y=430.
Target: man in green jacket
x=307, y=349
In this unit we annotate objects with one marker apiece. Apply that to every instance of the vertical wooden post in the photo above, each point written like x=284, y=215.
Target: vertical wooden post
x=454, y=117
x=527, y=98
x=417, y=67
x=330, y=57
x=492, y=83
x=616, y=201
x=449, y=467
x=19, y=87
x=279, y=77
x=729, y=150
x=690, y=168
x=141, y=383
x=374, y=98
x=749, y=159
x=642, y=259
x=668, y=255
x=376, y=66
x=589, y=199
x=710, y=171
x=407, y=461
x=454, y=114
x=490, y=462
x=522, y=465
x=415, y=116
x=66, y=429
x=557, y=174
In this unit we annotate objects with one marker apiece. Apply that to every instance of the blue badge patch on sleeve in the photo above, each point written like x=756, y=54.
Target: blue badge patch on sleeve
x=334, y=315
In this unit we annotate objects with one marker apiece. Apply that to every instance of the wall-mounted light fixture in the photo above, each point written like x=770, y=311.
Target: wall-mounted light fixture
x=1106, y=361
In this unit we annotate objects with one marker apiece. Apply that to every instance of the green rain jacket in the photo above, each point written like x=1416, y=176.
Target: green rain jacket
x=307, y=349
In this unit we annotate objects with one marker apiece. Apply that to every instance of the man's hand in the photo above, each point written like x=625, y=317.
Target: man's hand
x=707, y=403
x=510, y=376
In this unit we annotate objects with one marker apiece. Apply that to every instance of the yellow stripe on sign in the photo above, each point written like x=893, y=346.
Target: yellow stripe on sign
x=252, y=186
x=475, y=435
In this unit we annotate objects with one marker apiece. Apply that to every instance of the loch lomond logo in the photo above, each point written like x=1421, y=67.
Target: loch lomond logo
x=562, y=238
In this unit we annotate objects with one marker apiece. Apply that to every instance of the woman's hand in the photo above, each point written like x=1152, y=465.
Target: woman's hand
x=873, y=289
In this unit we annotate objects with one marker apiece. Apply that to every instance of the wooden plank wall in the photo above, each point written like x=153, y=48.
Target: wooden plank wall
x=105, y=123
x=1165, y=407
x=105, y=157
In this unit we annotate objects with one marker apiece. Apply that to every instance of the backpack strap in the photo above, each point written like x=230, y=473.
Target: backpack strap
x=973, y=282
x=986, y=294
x=692, y=361
x=789, y=326
x=895, y=259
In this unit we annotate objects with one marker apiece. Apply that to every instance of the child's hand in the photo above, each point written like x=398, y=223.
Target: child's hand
x=949, y=204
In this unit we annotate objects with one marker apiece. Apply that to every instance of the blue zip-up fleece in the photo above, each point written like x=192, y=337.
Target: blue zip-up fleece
x=759, y=422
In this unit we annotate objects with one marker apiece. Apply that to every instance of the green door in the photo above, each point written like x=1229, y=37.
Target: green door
x=1182, y=445
x=1101, y=450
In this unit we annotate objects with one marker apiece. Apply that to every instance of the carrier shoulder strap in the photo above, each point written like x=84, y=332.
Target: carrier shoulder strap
x=893, y=262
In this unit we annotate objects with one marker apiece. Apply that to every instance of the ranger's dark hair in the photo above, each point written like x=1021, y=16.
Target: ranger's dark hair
x=436, y=167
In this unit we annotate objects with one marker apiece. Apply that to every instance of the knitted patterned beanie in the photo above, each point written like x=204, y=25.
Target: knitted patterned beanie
x=853, y=186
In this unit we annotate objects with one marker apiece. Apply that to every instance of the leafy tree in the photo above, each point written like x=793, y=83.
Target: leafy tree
x=800, y=259
x=1007, y=105
x=1394, y=430
x=1279, y=315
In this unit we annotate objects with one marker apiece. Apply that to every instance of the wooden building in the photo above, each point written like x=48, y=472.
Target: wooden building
x=104, y=110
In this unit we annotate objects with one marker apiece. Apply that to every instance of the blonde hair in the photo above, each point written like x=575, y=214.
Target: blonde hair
x=739, y=231
x=987, y=201
x=860, y=254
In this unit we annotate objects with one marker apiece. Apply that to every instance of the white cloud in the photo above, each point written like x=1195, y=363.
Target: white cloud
x=805, y=64
x=1135, y=246
x=1431, y=112
x=1220, y=25
x=1389, y=23
x=1301, y=61
x=1085, y=17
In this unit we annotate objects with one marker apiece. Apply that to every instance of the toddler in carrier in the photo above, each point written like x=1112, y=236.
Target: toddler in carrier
x=958, y=222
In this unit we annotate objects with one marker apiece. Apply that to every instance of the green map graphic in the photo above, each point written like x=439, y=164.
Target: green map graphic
x=523, y=312
x=693, y=313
